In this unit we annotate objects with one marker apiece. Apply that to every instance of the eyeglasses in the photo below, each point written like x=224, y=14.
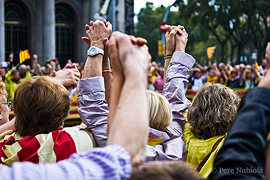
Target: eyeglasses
x=9, y=104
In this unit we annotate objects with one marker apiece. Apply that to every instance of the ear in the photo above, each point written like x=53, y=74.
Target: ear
x=61, y=128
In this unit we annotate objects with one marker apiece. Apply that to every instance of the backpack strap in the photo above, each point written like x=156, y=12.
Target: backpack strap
x=208, y=155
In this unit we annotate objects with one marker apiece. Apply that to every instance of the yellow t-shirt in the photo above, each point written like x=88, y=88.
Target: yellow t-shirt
x=211, y=79
x=199, y=148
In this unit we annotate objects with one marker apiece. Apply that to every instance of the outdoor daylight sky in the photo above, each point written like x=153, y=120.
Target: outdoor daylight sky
x=138, y=4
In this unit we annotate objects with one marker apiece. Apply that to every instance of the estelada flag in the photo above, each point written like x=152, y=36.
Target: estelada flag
x=24, y=55
x=257, y=66
x=210, y=51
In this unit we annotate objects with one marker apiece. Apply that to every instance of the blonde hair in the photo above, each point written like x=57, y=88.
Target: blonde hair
x=212, y=111
x=160, y=115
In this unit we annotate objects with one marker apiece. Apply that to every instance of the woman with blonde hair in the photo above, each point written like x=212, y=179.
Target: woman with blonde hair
x=210, y=115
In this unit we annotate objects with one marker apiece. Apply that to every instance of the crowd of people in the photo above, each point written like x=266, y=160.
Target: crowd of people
x=239, y=76
x=130, y=130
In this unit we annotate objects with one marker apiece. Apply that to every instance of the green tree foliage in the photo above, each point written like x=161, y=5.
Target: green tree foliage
x=235, y=23
x=147, y=27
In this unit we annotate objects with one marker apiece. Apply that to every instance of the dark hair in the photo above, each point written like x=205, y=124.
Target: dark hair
x=166, y=170
x=41, y=104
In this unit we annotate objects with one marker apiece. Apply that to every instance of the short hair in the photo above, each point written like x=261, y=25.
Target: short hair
x=212, y=111
x=166, y=170
x=160, y=116
x=41, y=104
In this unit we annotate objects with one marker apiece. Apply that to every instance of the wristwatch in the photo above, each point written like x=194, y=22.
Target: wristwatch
x=92, y=51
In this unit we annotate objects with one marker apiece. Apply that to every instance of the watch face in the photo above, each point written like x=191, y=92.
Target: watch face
x=94, y=51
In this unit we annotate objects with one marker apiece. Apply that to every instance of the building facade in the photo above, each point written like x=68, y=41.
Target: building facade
x=53, y=28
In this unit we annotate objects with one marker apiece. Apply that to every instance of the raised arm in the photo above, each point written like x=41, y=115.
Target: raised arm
x=176, y=81
x=129, y=125
x=93, y=108
x=106, y=69
x=176, y=84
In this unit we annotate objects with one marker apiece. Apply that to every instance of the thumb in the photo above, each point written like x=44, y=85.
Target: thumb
x=172, y=33
x=168, y=27
x=87, y=40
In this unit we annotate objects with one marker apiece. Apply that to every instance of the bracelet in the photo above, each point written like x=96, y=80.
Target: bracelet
x=108, y=70
x=167, y=56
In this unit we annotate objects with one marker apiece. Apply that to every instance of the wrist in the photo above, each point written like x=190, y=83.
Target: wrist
x=98, y=44
x=105, y=67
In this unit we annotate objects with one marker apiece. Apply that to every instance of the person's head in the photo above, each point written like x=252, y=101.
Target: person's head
x=228, y=63
x=196, y=73
x=221, y=65
x=41, y=104
x=22, y=70
x=212, y=110
x=4, y=109
x=233, y=74
x=237, y=67
x=3, y=72
x=222, y=80
x=166, y=170
x=160, y=116
x=264, y=63
x=15, y=76
x=212, y=73
x=248, y=74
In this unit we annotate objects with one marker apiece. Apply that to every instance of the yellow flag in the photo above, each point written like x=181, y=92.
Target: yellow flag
x=210, y=51
x=257, y=67
x=24, y=55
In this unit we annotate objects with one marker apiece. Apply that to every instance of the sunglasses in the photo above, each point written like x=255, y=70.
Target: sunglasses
x=9, y=104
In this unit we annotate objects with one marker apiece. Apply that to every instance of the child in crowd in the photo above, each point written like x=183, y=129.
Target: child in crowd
x=210, y=115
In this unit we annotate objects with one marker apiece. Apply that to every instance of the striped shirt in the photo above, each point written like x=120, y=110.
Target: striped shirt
x=110, y=163
x=44, y=148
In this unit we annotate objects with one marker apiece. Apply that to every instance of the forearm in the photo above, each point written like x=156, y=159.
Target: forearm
x=107, y=75
x=93, y=66
x=166, y=65
x=176, y=83
x=118, y=81
x=132, y=104
x=93, y=109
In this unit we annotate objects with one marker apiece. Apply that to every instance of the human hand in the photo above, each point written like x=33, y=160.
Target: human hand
x=121, y=46
x=68, y=77
x=35, y=57
x=97, y=32
x=267, y=55
x=11, y=56
x=181, y=40
x=27, y=68
x=265, y=81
